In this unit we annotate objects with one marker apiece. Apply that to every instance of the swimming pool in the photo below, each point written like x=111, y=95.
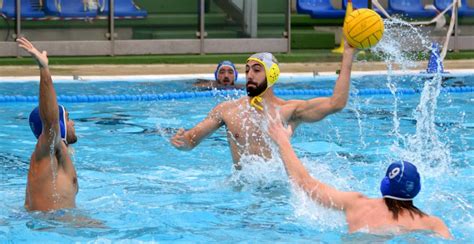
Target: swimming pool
x=133, y=180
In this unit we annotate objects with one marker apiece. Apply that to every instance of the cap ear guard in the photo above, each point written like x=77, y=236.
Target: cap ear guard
x=385, y=186
x=273, y=74
x=36, y=125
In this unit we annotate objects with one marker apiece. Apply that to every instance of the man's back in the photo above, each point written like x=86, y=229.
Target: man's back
x=52, y=183
x=374, y=216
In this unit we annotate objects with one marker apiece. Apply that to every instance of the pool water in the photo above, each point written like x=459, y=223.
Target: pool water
x=143, y=189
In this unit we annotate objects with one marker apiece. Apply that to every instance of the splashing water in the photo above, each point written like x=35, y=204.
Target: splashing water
x=400, y=43
x=424, y=147
x=398, y=48
x=257, y=172
x=360, y=119
x=54, y=167
x=314, y=213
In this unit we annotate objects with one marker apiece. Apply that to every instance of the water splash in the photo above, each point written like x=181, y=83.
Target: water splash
x=312, y=212
x=400, y=47
x=256, y=172
x=54, y=166
x=400, y=44
x=424, y=148
x=356, y=109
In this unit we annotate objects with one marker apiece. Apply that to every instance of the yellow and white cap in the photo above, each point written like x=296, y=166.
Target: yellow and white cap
x=270, y=63
x=272, y=72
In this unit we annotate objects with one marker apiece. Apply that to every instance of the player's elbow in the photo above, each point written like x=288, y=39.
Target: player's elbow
x=338, y=105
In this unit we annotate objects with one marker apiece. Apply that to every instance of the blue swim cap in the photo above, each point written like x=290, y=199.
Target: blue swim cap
x=226, y=63
x=37, y=126
x=401, y=182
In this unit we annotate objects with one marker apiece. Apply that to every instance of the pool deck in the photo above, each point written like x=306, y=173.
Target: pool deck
x=170, y=69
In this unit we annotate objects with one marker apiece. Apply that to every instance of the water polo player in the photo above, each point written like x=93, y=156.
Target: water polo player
x=225, y=76
x=52, y=180
x=243, y=117
x=394, y=213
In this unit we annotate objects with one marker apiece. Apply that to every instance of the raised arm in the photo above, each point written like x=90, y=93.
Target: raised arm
x=48, y=104
x=317, y=108
x=187, y=140
x=317, y=190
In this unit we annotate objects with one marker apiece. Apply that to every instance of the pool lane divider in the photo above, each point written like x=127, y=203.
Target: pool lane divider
x=222, y=93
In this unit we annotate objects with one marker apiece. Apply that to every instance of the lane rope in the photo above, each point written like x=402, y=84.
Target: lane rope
x=223, y=93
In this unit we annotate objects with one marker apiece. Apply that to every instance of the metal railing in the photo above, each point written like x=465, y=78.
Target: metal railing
x=111, y=46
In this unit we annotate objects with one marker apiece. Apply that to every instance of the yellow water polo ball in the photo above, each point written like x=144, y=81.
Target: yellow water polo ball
x=363, y=28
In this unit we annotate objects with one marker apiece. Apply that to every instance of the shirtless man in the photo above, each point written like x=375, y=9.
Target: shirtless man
x=52, y=180
x=225, y=76
x=243, y=117
x=395, y=211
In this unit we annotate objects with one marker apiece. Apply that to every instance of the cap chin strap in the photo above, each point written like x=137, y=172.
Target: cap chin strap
x=64, y=119
x=270, y=82
x=257, y=100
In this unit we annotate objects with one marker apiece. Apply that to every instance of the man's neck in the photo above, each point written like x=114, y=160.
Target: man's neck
x=268, y=98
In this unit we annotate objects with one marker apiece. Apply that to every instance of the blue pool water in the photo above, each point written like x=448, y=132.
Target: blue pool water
x=142, y=189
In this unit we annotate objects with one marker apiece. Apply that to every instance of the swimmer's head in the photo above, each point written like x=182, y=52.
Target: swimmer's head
x=226, y=73
x=66, y=126
x=262, y=72
x=401, y=182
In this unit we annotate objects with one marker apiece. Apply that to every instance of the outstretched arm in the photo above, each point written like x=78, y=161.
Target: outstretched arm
x=48, y=104
x=317, y=190
x=187, y=140
x=317, y=108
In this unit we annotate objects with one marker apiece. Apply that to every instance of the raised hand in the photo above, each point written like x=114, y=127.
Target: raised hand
x=277, y=131
x=40, y=57
x=347, y=46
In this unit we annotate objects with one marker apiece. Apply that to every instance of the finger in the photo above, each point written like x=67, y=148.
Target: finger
x=174, y=142
x=45, y=53
x=278, y=117
x=178, y=144
x=178, y=138
x=25, y=42
x=21, y=42
x=271, y=122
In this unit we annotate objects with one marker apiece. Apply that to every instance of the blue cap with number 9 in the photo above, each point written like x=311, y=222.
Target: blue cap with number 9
x=401, y=182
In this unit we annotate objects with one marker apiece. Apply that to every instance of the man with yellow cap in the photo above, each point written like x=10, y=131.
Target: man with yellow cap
x=243, y=117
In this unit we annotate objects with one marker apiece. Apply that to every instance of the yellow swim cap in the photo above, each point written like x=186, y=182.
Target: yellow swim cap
x=270, y=63
x=272, y=71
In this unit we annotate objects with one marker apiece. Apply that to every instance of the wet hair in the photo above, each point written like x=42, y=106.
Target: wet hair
x=397, y=207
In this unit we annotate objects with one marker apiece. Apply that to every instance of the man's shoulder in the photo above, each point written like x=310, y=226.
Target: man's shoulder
x=432, y=221
x=231, y=103
x=437, y=225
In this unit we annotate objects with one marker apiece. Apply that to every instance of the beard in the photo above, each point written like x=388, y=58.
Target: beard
x=257, y=89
